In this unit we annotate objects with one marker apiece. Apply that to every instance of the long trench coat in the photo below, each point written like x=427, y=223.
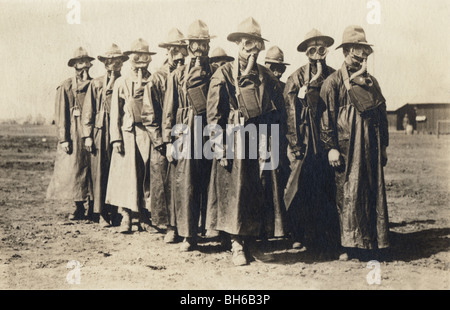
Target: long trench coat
x=161, y=203
x=360, y=187
x=71, y=177
x=127, y=174
x=307, y=193
x=237, y=203
x=95, y=122
x=191, y=176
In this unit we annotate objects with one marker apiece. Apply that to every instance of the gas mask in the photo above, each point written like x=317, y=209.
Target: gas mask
x=357, y=60
x=249, y=49
x=82, y=68
x=357, y=55
x=316, y=52
x=176, y=55
x=277, y=69
x=139, y=62
x=113, y=64
x=198, y=48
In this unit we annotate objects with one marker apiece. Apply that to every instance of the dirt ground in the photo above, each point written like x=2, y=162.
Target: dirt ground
x=38, y=240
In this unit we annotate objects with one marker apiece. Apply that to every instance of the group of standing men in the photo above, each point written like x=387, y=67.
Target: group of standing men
x=117, y=144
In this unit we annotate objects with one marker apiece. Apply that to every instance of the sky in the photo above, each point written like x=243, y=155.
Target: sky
x=410, y=59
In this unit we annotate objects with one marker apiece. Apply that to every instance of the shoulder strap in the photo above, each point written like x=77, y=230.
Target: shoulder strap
x=345, y=77
x=74, y=92
x=307, y=74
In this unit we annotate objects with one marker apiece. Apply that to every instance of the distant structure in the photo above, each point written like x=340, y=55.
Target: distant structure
x=426, y=118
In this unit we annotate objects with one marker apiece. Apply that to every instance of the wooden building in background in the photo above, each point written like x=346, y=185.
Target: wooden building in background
x=424, y=117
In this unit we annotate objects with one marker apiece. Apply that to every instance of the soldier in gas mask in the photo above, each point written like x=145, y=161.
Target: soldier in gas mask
x=95, y=122
x=275, y=62
x=219, y=57
x=243, y=93
x=354, y=131
x=185, y=102
x=162, y=205
x=71, y=176
x=306, y=192
x=130, y=141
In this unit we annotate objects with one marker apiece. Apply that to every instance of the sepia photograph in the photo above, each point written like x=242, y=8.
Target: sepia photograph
x=224, y=146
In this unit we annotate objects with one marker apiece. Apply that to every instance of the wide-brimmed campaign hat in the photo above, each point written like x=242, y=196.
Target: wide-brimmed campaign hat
x=198, y=30
x=174, y=38
x=249, y=27
x=113, y=52
x=80, y=53
x=219, y=54
x=313, y=35
x=354, y=35
x=139, y=46
x=275, y=55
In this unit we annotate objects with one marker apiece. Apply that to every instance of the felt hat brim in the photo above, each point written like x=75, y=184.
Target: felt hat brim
x=235, y=36
x=302, y=47
x=274, y=61
x=73, y=60
x=103, y=58
x=354, y=43
x=170, y=44
x=138, y=52
x=221, y=58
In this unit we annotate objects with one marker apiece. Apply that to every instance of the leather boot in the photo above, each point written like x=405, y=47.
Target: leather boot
x=78, y=214
x=125, y=225
x=188, y=244
x=237, y=250
x=171, y=235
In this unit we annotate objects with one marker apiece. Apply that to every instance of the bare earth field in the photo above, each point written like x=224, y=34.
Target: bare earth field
x=38, y=240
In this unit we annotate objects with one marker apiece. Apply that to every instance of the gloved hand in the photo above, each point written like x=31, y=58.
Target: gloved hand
x=88, y=144
x=161, y=149
x=384, y=157
x=334, y=158
x=223, y=162
x=66, y=147
x=169, y=150
x=118, y=147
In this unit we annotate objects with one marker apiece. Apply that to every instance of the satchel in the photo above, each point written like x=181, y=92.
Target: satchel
x=364, y=97
x=249, y=102
x=197, y=98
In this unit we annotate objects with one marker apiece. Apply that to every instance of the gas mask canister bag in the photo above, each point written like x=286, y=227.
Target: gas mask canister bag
x=364, y=98
x=196, y=88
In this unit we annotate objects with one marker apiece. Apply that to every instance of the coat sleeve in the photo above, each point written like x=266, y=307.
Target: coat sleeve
x=89, y=108
x=291, y=101
x=62, y=114
x=152, y=114
x=169, y=108
x=329, y=93
x=218, y=104
x=384, y=132
x=116, y=114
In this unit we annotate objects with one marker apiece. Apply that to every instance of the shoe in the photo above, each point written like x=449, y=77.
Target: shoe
x=343, y=257
x=187, y=245
x=103, y=222
x=145, y=224
x=78, y=214
x=170, y=236
x=148, y=228
x=255, y=253
x=125, y=225
x=238, y=255
x=297, y=245
x=225, y=241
